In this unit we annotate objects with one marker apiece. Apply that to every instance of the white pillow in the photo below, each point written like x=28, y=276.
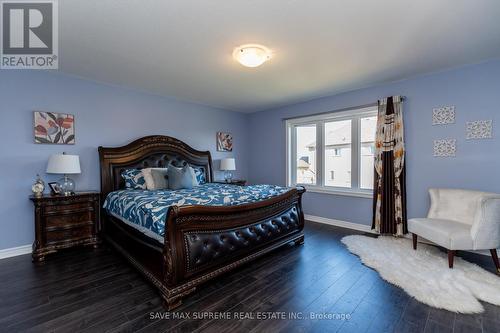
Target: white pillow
x=150, y=183
x=195, y=180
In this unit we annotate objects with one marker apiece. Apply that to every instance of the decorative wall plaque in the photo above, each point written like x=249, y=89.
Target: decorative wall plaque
x=479, y=129
x=445, y=148
x=443, y=115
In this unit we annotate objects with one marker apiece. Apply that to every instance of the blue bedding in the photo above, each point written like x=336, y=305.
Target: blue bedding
x=147, y=210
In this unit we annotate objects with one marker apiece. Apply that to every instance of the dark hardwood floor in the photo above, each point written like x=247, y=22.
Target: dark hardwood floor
x=96, y=291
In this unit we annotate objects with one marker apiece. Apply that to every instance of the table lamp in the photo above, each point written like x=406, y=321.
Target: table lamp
x=64, y=164
x=228, y=165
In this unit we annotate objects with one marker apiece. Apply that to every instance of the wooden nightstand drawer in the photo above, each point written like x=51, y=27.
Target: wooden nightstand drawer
x=51, y=209
x=65, y=221
x=69, y=220
x=69, y=235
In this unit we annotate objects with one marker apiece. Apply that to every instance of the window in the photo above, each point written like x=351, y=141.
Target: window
x=368, y=127
x=333, y=152
x=338, y=136
x=306, y=153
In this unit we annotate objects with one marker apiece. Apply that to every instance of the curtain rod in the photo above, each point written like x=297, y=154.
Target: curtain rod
x=403, y=98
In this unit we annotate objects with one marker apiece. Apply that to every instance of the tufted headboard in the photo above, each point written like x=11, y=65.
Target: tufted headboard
x=147, y=152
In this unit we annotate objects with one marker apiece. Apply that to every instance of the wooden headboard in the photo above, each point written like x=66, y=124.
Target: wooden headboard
x=147, y=152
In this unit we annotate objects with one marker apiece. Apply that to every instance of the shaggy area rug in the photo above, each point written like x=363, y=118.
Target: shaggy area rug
x=424, y=273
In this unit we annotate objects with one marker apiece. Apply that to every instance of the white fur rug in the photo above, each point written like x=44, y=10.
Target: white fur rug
x=424, y=274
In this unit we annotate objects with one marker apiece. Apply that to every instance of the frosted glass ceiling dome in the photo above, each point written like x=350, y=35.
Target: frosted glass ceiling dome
x=252, y=55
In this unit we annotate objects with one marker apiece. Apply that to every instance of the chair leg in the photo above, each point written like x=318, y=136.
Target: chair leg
x=451, y=256
x=414, y=241
x=494, y=255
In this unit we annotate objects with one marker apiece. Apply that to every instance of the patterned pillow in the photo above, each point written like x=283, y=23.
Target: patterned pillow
x=200, y=175
x=134, y=179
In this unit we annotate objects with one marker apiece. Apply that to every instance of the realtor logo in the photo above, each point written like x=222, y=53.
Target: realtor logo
x=29, y=35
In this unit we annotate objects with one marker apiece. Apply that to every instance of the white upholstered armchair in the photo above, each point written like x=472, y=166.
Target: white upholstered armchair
x=461, y=220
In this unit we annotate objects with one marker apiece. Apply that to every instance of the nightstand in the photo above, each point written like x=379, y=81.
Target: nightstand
x=239, y=182
x=65, y=221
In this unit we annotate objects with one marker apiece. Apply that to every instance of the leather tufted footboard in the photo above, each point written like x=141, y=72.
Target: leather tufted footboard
x=205, y=248
x=203, y=242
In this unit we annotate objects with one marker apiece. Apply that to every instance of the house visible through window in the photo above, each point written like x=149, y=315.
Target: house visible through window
x=334, y=151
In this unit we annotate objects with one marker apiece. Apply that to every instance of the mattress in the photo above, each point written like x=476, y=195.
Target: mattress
x=146, y=210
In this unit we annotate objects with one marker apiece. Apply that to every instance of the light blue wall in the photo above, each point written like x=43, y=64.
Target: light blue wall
x=107, y=115
x=104, y=115
x=475, y=92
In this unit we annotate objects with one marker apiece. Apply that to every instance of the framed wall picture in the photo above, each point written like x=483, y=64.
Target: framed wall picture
x=54, y=128
x=224, y=141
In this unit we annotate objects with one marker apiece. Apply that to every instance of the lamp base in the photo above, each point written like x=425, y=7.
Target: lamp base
x=228, y=176
x=67, y=186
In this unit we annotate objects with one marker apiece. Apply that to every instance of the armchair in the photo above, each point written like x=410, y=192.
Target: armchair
x=461, y=220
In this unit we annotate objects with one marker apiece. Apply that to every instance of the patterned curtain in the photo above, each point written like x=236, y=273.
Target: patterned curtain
x=389, y=200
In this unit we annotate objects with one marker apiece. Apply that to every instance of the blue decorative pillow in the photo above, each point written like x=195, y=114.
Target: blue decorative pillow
x=199, y=172
x=181, y=178
x=134, y=179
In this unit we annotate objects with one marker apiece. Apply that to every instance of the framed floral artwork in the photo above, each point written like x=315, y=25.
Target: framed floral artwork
x=54, y=128
x=224, y=141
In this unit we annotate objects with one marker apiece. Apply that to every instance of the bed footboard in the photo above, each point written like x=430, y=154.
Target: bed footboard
x=203, y=242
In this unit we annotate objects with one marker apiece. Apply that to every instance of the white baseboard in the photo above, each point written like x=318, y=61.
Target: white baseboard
x=340, y=223
x=15, y=251
x=367, y=228
x=25, y=249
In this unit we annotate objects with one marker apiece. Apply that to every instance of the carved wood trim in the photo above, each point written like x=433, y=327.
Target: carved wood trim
x=63, y=222
x=140, y=149
x=169, y=273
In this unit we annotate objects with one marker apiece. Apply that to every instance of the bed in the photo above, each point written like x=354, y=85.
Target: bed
x=197, y=236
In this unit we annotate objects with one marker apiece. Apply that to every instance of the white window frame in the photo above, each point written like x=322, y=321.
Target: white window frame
x=354, y=114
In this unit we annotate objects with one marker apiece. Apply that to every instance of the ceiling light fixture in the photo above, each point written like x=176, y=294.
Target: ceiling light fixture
x=252, y=55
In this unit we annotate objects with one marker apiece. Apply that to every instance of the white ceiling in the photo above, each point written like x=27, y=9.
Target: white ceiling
x=183, y=48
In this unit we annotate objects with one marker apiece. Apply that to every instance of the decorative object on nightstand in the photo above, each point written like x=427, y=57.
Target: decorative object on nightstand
x=55, y=189
x=227, y=165
x=239, y=182
x=66, y=165
x=65, y=221
x=38, y=187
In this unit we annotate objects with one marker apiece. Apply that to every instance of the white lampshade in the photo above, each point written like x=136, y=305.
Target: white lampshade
x=227, y=164
x=64, y=164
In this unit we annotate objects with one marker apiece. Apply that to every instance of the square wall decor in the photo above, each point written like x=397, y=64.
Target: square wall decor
x=444, y=115
x=224, y=141
x=445, y=148
x=54, y=128
x=479, y=129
